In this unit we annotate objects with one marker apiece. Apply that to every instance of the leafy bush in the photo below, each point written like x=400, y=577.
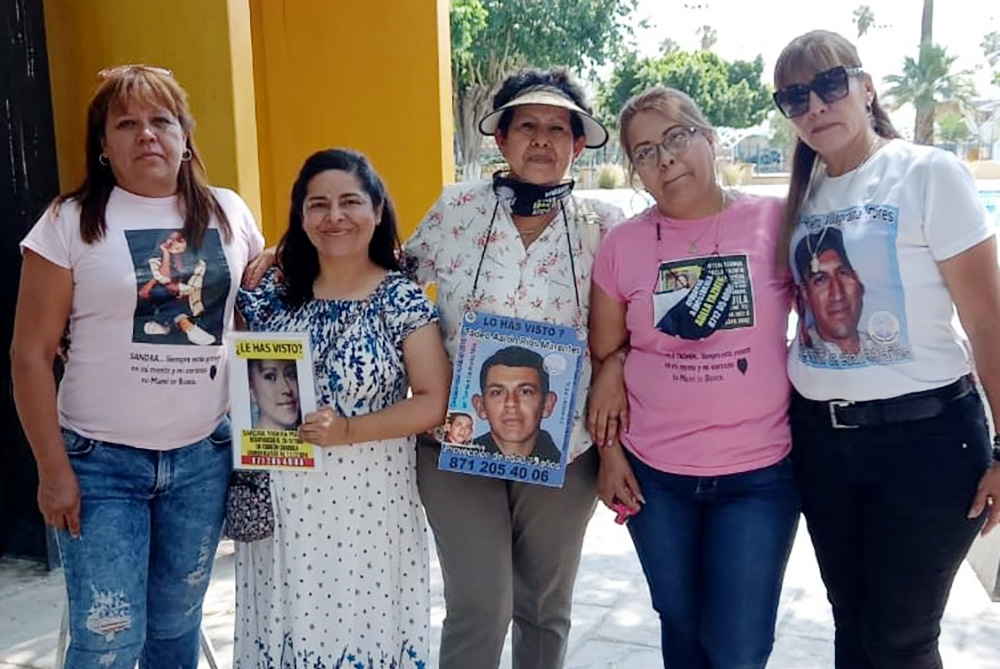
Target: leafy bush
x=610, y=176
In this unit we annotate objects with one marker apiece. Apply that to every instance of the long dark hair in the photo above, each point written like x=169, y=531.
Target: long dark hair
x=298, y=258
x=152, y=86
x=816, y=51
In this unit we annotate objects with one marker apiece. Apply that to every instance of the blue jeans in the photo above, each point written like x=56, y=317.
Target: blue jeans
x=714, y=551
x=886, y=509
x=150, y=522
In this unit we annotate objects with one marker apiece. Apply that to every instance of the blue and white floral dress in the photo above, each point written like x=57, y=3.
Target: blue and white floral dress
x=343, y=583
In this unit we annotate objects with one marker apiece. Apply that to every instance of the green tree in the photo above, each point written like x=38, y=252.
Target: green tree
x=783, y=137
x=991, y=50
x=991, y=47
x=627, y=78
x=864, y=19
x=729, y=93
x=952, y=128
x=490, y=39
x=925, y=82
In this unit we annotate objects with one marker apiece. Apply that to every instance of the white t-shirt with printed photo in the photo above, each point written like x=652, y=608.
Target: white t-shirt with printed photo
x=906, y=209
x=146, y=363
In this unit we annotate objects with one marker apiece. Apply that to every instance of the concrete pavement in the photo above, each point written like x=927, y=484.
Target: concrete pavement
x=614, y=626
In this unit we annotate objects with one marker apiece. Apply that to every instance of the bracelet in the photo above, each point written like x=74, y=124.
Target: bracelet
x=996, y=448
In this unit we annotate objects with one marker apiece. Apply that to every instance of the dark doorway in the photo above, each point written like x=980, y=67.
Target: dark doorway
x=28, y=181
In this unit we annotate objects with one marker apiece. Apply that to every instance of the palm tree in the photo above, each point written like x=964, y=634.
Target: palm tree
x=927, y=22
x=669, y=45
x=708, y=37
x=924, y=125
x=864, y=19
x=926, y=82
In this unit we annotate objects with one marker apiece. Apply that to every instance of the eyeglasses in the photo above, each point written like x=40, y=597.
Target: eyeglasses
x=120, y=70
x=830, y=86
x=675, y=142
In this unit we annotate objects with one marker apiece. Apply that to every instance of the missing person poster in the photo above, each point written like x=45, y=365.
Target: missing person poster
x=271, y=387
x=511, y=405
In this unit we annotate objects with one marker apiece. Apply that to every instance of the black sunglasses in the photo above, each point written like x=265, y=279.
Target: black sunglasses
x=830, y=86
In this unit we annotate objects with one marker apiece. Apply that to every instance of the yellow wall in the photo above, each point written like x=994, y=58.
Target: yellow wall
x=371, y=75
x=207, y=45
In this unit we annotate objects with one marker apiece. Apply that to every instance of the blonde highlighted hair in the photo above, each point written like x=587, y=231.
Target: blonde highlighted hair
x=672, y=103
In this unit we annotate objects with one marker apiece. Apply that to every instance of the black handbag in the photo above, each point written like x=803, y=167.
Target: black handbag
x=249, y=510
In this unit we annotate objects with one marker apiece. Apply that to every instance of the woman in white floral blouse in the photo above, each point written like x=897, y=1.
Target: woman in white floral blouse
x=518, y=245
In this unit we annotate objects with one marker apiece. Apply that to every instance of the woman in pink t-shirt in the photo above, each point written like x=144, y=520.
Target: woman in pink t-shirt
x=691, y=290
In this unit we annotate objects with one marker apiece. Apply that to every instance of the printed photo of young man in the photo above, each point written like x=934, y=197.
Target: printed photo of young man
x=515, y=398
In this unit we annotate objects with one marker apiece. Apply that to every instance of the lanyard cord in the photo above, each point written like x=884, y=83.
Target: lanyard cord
x=572, y=263
x=482, y=256
x=569, y=245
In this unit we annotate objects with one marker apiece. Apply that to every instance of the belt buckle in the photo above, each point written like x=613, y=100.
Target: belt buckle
x=834, y=405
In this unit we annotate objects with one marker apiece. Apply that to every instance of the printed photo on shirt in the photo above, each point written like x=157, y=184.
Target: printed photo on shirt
x=696, y=297
x=181, y=290
x=991, y=202
x=849, y=294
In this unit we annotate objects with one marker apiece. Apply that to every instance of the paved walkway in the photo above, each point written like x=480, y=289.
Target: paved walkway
x=613, y=624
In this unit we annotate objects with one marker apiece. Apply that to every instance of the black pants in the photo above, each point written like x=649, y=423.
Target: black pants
x=886, y=509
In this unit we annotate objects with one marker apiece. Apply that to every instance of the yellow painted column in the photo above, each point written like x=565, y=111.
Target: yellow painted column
x=206, y=43
x=370, y=75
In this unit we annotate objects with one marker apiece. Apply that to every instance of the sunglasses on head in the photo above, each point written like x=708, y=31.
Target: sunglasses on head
x=121, y=70
x=830, y=86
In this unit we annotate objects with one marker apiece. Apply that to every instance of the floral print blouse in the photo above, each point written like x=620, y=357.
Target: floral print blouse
x=536, y=283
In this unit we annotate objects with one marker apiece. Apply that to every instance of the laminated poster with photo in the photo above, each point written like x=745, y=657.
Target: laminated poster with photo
x=271, y=387
x=511, y=405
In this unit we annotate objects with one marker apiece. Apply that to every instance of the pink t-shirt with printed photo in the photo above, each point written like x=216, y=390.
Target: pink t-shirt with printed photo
x=707, y=388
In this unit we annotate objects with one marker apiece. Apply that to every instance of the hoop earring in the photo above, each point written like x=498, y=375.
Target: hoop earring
x=645, y=203
x=186, y=155
x=103, y=160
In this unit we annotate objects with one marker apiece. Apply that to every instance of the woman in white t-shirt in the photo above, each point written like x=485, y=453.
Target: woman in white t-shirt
x=885, y=240
x=143, y=261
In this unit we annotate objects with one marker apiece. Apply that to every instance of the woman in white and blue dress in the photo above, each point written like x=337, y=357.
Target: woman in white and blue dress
x=343, y=582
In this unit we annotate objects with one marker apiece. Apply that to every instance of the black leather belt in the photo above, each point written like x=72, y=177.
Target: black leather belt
x=912, y=406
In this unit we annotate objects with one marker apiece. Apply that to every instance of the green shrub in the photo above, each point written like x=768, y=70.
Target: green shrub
x=610, y=176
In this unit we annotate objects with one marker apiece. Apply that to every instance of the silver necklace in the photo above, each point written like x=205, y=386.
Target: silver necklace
x=693, y=243
x=831, y=217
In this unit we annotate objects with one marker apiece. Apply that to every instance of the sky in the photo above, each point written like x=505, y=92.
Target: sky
x=746, y=28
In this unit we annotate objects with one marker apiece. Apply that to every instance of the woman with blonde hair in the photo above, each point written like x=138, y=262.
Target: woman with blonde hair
x=691, y=288
x=134, y=453
x=885, y=240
